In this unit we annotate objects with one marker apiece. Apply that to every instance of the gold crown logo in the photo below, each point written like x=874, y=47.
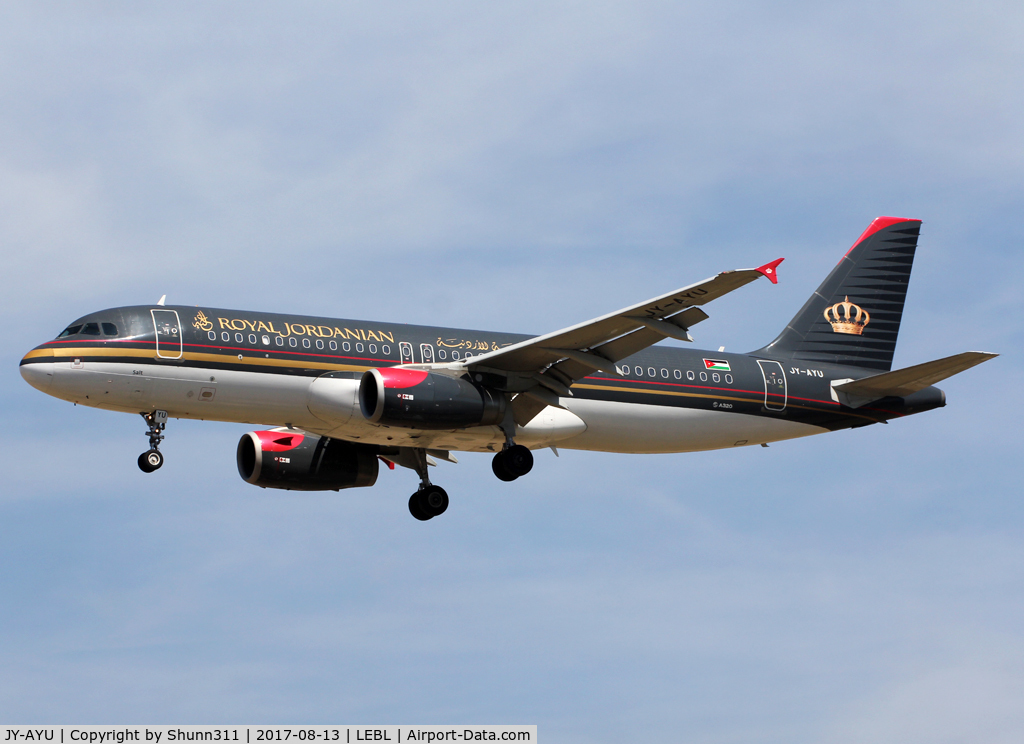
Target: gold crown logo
x=202, y=322
x=847, y=317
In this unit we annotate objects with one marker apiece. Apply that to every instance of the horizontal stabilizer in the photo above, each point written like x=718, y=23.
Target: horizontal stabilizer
x=903, y=382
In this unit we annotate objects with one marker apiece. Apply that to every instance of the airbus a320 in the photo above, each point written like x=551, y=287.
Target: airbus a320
x=341, y=397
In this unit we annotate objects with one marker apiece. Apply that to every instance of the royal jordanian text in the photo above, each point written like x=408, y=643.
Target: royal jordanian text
x=292, y=329
x=255, y=734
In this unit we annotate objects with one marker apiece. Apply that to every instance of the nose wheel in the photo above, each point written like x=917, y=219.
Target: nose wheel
x=152, y=458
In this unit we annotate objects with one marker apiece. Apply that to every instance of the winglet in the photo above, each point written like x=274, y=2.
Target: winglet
x=770, y=270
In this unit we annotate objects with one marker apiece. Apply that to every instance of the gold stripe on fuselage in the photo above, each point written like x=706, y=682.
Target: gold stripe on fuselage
x=755, y=399
x=664, y=392
x=192, y=356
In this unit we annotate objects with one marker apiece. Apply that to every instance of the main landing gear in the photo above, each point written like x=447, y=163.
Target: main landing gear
x=430, y=501
x=153, y=458
x=512, y=462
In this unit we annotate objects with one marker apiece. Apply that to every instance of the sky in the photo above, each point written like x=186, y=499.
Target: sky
x=517, y=167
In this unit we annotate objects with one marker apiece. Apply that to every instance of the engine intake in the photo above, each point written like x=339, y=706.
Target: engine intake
x=419, y=399
x=296, y=461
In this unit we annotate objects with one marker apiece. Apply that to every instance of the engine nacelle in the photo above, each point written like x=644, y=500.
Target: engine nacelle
x=297, y=461
x=419, y=399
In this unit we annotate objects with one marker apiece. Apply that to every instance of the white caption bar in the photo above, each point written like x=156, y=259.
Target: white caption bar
x=260, y=734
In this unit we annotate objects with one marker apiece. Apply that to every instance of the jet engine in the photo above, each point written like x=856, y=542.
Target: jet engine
x=419, y=399
x=296, y=461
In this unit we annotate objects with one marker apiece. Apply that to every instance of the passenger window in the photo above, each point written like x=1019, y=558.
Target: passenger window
x=305, y=343
x=624, y=370
x=689, y=374
x=455, y=355
x=346, y=346
x=238, y=338
x=703, y=376
x=639, y=371
x=212, y=335
x=225, y=336
x=442, y=354
x=109, y=329
x=664, y=372
x=652, y=372
x=677, y=374
x=334, y=345
x=319, y=343
x=91, y=329
x=728, y=378
x=266, y=340
x=252, y=339
x=385, y=350
x=373, y=348
x=359, y=346
x=292, y=342
x=70, y=331
x=716, y=377
x=279, y=341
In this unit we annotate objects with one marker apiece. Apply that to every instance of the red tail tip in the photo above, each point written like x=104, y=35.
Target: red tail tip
x=770, y=270
x=880, y=223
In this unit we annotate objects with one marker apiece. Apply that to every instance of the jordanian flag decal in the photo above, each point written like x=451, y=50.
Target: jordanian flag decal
x=717, y=365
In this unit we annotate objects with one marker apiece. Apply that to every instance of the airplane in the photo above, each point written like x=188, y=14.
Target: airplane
x=344, y=396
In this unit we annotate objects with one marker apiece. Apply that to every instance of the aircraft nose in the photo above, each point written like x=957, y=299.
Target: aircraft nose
x=37, y=369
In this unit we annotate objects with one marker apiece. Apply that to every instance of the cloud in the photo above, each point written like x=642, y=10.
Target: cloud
x=518, y=168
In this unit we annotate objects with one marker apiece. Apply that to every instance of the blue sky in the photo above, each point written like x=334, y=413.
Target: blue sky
x=518, y=168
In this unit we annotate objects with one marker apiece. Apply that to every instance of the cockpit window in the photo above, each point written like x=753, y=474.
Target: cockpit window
x=91, y=329
x=109, y=329
x=70, y=330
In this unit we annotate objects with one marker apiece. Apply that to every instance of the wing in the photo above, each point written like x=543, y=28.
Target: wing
x=556, y=360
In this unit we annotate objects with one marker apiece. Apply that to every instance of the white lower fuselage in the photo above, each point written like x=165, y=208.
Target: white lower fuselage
x=329, y=407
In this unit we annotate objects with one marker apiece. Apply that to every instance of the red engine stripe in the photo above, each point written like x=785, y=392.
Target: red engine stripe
x=402, y=378
x=279, y=441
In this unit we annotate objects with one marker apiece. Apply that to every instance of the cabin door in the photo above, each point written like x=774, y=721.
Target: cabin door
x=775, y=393
x=168, y=333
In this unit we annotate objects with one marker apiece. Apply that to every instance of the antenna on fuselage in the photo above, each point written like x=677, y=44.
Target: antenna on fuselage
x=160, y=302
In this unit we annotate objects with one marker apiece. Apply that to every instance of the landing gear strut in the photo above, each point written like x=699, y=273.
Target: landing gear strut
x=430, y=501
x=152, y=458
x=514, y=460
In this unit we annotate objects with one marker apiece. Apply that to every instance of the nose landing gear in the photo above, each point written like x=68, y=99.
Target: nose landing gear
x=153, y=458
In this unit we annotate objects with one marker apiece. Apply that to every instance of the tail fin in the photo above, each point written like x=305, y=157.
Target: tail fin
x=854, y=316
